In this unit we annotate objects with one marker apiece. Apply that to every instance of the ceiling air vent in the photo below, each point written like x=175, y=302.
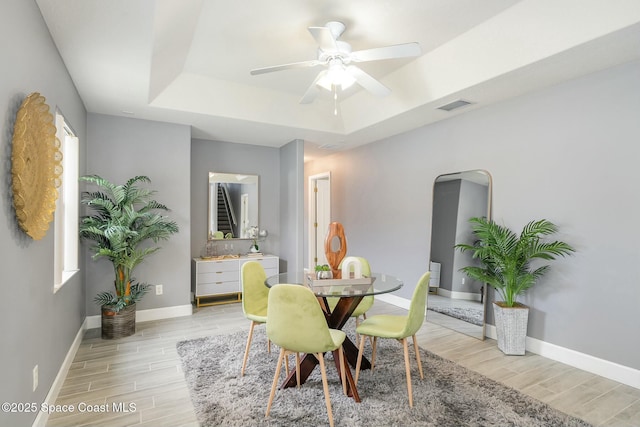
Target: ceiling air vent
x=329, y=146
x=458, y=103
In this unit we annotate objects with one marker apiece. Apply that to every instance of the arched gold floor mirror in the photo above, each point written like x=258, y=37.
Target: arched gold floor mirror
x=455, y=301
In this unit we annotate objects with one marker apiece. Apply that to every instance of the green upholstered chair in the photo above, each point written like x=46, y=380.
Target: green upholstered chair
x=254, y=301
x=365, y=304
x=296, y=323
x=399, y=328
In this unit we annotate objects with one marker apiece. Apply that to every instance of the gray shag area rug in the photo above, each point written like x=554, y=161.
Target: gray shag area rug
x=449, y=395
x=470, y=315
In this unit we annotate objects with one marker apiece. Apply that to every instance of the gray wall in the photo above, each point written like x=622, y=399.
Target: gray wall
x=216, y=156
x=292, y=206
x=555, y=154
x=119, y=149
x=281, y=193
x=38, y=326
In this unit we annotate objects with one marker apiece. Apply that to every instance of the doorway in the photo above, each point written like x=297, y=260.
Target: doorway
x=319, y=216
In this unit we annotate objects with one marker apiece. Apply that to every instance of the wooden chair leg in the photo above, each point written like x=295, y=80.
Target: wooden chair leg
x=275, y=381
x=286, y=363
x=405, y=345
x=417, y=350
x=359, y=362
x=269, y=346
x=373, y=352
x=325, y=386
x=246, y=349
x=288, y=353
x=298, y=369
x=343, y=368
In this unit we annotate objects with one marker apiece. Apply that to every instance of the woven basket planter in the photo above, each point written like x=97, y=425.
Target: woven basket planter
x=118, y=325
x=511, y=328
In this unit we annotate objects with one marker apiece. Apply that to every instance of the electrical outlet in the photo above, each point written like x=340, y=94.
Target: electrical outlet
x=159, y=290
x=35, y=377
x=463, y=280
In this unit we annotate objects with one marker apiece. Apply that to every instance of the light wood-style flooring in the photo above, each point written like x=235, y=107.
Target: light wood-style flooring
x=144, y=370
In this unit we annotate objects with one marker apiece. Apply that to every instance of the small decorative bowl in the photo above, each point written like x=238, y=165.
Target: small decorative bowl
x=324, y=274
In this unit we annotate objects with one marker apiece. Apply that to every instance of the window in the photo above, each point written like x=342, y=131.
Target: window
x=66, y=215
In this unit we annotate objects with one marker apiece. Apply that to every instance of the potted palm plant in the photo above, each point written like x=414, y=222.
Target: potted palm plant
x=124, y=219
x=506, y=265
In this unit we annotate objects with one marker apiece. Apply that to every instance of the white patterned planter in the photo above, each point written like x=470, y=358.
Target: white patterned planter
x=511, y=328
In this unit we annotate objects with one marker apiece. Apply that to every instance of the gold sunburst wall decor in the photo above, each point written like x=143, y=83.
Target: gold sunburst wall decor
x=35, y=166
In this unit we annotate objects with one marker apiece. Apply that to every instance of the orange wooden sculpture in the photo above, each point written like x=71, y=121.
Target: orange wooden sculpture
x=336, y=230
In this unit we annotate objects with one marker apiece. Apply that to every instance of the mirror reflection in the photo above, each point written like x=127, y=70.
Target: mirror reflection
x=233, y=205
x=455, y=301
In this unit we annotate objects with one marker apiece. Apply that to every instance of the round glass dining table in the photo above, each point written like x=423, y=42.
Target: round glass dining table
x=349, y=296
x=382, y=284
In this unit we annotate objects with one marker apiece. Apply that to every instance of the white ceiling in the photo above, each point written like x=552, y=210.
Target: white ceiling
x=188, y=61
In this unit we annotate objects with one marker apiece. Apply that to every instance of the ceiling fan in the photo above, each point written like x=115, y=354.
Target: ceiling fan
x=337, y=56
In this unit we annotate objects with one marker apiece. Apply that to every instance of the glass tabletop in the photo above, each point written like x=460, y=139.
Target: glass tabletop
x=378, y=283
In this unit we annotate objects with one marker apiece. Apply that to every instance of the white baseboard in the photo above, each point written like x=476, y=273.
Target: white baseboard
x=467, y=296
x=395, y=300
x=52, y=396
x=604, y=368
x=147, y=315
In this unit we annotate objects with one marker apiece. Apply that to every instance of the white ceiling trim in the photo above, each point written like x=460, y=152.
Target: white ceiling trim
x=188, y=61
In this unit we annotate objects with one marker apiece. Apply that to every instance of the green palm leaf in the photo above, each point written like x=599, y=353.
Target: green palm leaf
x=123, y=217
x=505, y=257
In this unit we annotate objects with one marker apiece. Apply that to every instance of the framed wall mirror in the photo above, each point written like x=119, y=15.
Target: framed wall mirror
x=455, y=301
x=233, y=205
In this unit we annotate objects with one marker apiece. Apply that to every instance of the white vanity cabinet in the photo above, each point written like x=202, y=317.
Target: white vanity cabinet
x=215, y=277
x=218, y=281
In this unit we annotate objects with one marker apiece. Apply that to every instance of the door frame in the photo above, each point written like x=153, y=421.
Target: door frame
x=313, y=212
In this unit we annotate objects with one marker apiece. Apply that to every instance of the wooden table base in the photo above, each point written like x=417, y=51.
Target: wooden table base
x=336, y=319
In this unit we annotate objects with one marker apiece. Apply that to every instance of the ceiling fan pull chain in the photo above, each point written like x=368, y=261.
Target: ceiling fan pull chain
x=335, y=100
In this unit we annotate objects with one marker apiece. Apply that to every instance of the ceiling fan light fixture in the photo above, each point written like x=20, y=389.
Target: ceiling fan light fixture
x=325, y=83
x=345, y=80
x=336, y=76
x=337, y=56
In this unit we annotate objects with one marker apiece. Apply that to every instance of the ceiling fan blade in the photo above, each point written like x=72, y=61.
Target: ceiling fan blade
x=313, y=90
x=303, y=64
x=389, y=52
x=324, y=38
x=368, y=82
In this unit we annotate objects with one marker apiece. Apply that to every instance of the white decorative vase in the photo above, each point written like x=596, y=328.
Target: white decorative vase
x=511, y=328
x=351, y=268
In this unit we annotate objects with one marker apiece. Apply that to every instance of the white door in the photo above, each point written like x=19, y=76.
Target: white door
x=319, y=216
